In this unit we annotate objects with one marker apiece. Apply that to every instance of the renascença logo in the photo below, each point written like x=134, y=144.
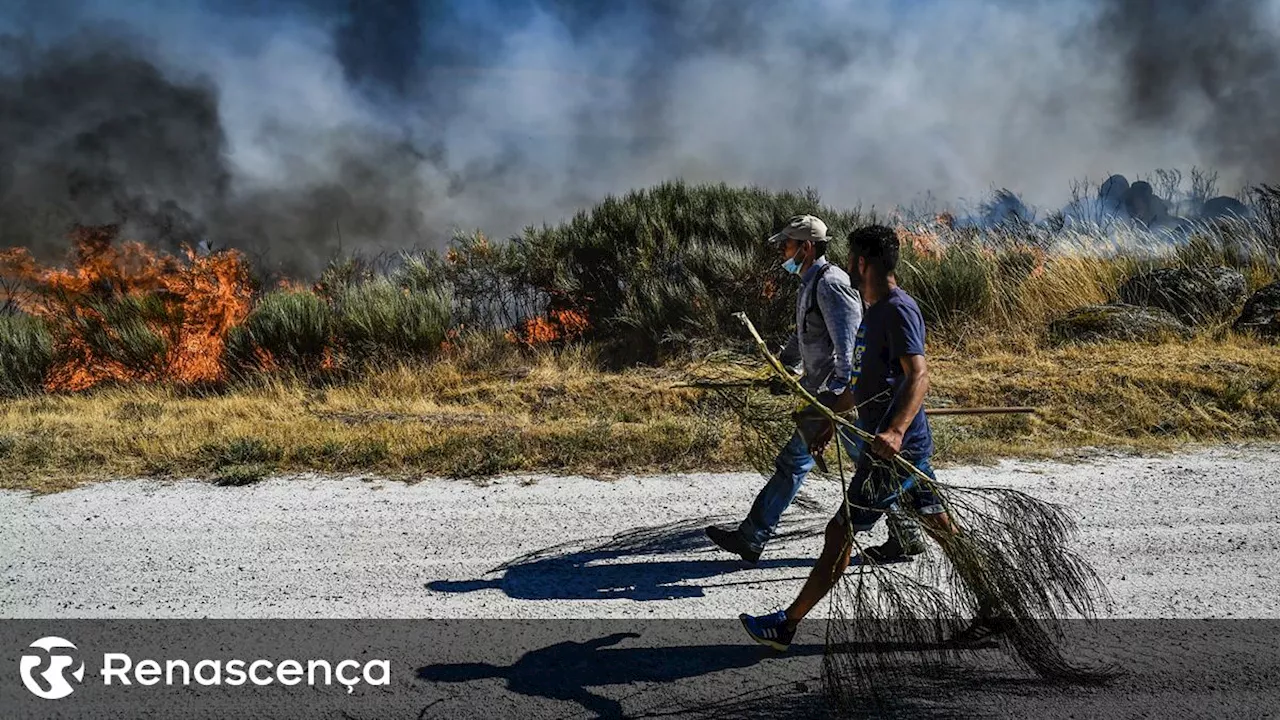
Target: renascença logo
x=120, y=669
x=55, y=683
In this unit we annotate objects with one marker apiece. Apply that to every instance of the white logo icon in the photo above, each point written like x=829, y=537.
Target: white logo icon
x=54, y=676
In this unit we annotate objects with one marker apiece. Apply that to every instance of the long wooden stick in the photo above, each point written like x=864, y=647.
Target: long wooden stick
x=939, y=412
x=933, y=411
x=936, y=412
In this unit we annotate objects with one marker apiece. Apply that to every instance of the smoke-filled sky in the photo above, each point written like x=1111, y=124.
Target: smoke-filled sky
x=281, y=126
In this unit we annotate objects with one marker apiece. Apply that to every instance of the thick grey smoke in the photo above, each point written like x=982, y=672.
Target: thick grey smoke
x=1212, y=68
x=287, y=127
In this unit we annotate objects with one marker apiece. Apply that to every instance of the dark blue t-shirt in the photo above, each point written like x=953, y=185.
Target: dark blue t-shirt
x=891, y=329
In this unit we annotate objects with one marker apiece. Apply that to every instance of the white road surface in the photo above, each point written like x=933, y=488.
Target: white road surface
x=1183, y=536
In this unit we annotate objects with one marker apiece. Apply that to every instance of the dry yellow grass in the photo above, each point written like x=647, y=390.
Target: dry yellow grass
x=553, y=414
x=1119, y=395
x=558, y=413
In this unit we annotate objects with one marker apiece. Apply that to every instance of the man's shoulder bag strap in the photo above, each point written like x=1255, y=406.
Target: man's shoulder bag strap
x=813, y=298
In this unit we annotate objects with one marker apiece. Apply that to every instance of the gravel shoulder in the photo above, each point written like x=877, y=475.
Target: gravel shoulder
x=1179, y=536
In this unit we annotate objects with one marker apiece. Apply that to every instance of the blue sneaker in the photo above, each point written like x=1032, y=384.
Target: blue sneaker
x=769, y=630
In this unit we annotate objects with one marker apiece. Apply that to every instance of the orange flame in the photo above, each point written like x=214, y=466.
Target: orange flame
x=266, y=361
x=198, y=302
x=558, y=326
x=923, y=241
x=451, y=339
x=770, y=289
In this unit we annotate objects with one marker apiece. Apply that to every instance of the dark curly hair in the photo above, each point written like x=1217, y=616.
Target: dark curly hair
x=878, y=244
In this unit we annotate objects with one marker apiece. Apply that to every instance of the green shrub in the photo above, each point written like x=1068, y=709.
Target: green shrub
x=341, y=273
x=422, y=272
x=240, y=475
x=26, y=353
x=953, y=285
x=665, y=314
x=487, y=282
x=241, y=451
x=1266, y=203
x=295, y=328
x=659, y=269
x=379, y=319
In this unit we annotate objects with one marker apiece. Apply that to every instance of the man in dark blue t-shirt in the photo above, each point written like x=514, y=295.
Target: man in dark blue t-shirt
x=893, y=378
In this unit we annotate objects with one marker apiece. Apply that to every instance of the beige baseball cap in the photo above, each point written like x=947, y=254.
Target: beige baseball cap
x=801, y=227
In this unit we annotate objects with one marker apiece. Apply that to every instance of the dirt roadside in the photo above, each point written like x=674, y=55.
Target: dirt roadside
x=1179, y=536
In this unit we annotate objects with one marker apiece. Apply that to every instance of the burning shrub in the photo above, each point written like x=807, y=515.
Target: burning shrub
x=378, y=319
x=643, y=277
x=123, y=312
x=26, y=354
x=287, y=329
x=923, y=242
x=123, y=336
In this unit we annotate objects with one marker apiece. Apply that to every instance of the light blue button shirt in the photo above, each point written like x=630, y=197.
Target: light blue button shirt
x=823, y=344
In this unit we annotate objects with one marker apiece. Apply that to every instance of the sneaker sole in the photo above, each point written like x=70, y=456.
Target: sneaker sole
x=763, y=641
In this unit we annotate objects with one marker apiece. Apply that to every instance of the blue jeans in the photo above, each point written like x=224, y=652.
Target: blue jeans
x=878, y=486
x=792, y=466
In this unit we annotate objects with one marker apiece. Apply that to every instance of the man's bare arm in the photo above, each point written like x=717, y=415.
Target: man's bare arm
x=915, y=384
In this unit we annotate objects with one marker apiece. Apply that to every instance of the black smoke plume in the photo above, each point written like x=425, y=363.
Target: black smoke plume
x=92, y=133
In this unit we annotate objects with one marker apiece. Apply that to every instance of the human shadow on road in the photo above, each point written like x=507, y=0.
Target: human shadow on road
x=596, y=570
x=565, y=671
x=686, y=681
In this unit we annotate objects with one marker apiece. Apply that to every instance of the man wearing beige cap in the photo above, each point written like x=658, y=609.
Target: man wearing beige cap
x=828, y=312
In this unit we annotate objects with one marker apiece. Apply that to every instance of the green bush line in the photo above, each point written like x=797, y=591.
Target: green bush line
x=657, y=272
